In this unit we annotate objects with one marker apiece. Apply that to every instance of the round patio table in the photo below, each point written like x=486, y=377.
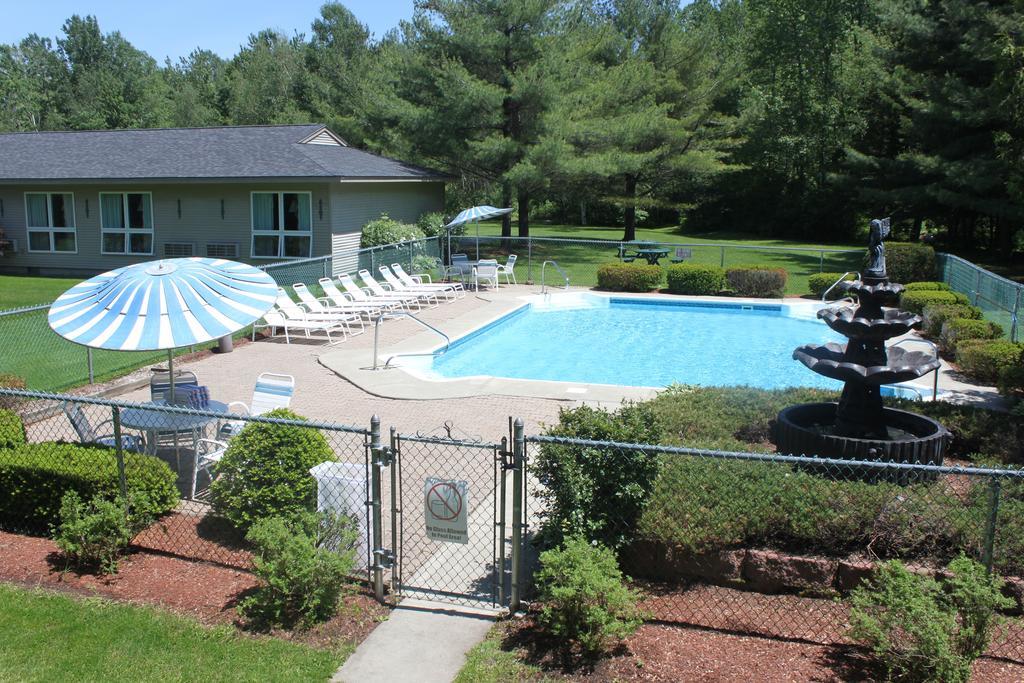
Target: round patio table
x=154, y=421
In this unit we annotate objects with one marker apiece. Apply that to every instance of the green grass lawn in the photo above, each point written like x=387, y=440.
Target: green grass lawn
x=488, y=662
x=24, y=290
x=581, y=260
x=52, y=637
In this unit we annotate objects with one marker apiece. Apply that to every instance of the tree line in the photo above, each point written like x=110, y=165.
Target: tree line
x=779, y=117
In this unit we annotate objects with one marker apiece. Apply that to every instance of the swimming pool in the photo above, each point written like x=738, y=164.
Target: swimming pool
x=644, y=342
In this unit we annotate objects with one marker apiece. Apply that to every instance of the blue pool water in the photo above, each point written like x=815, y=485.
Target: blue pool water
x=629, y=342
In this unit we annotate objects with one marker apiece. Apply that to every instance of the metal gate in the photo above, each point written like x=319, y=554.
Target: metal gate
x=447, y=518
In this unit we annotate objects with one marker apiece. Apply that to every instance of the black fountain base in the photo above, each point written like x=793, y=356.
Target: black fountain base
x=806, y=429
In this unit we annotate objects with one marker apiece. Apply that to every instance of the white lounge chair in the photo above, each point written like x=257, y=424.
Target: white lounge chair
x=508, y=270
x=380, y=291
x=275, y=318
x=272, y=391
x=397, y=285
x=366, y=295
x=363, y=299
x=417, y=280
x=327, y=305
x=486, y=270
x=294, y=311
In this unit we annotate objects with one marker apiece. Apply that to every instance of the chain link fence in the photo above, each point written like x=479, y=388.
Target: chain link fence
x=999, y=299
x=770, y=545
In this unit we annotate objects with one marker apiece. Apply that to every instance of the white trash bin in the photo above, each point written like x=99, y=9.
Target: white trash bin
x=341, y=487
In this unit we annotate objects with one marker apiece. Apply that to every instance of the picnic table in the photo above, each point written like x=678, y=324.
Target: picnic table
x=652, y=254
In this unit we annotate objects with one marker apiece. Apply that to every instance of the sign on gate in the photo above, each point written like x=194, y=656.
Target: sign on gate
x=446, y=504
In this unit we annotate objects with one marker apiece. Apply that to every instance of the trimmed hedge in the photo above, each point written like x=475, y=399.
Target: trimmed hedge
x=935, y=315
x=757, y=281
x=819, y=282
x=987, y=360
x=34, y=478
x=628, y=277
x=694, y=278
x=909, y=262
x=928, y=287
x=958, y=330
x=916, y=301
x=12, y=429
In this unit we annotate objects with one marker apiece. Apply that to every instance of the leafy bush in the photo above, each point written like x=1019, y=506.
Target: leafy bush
x=34, y=478
x=585, y=602
x=759, y=281
x=12, y=429
x=986, y=360
x=934, y=315
x=918, y=630
x=909, y=262
x=959, y=330
x=598, y=493
x=916, y=301
x=386, y=230
x=819, y=282
x=431, y=224
x=694, y=278
x=9, y=381
x=265, y=471
x=628, y=277
x=303, y=563
x=1011, y=380
x=927, y=287
x=93, y=534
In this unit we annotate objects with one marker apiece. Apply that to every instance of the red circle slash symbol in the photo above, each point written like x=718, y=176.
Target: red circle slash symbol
x=444, y=501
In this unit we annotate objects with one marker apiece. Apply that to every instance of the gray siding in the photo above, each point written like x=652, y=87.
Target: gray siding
x=354, y=204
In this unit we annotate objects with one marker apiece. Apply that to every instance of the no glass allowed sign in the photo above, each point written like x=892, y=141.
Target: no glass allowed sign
x=446, y=504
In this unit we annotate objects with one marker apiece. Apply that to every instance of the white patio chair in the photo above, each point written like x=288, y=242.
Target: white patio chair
x=159, y=385
x=397, y=285
x=88, y=434
x=206, y=459
x=295, y=312
x=275, y=318
x=486, y=270
x=380, y=291
x=327, y=305
x=272, y=391
x=366, y=295
x=508, y=270
x=417, y=280
x=374, y=308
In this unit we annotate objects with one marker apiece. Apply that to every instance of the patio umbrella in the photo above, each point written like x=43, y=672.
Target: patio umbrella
x=475, y=214
x=163, y=305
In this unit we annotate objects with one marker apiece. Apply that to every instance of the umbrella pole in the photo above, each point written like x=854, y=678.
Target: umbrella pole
x=478, y=240
x=170, y=370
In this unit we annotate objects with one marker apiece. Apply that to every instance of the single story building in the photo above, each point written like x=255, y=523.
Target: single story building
x=82, y=202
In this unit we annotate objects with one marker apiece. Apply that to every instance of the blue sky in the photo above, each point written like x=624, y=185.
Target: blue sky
x=173, y=28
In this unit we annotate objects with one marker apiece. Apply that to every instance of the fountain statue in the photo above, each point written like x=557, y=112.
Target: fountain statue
x=859, y=427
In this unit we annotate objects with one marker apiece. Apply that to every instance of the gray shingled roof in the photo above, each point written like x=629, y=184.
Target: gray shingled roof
x=172, y=153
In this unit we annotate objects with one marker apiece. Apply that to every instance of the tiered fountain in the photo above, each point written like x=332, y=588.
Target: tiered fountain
x=859, y=427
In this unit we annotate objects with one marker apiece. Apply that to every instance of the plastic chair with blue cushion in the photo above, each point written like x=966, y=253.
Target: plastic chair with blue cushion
x=88, y=434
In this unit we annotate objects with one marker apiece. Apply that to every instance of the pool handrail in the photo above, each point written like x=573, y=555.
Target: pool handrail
x=543, y=284
x=835, y=284
x=404, y=314
x=935, y=350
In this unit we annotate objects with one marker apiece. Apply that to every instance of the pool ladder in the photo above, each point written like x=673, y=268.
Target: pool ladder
x=824, y=297
x=935, y=352
x=543, y=266
x=402, y=314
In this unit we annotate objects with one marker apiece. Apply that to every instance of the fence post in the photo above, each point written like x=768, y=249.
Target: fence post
x=821, y=261
x=119, y=451
x=722, y=262
x=88, y=360
x=325, y=269
x=1014, y=315
x=977, y=287
x=518, y=461
x=529, y=259
x=990, y=526
x=375, y=507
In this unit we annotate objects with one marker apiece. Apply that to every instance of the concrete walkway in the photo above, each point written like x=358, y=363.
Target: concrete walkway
x=421, y=642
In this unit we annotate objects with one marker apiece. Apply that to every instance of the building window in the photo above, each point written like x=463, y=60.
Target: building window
x=282, y=224
x=50, y=219
x=126, y=219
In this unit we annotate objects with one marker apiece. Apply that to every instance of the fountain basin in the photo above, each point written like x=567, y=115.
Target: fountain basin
x=830, y=360
x=860, y=288
x=893, y=323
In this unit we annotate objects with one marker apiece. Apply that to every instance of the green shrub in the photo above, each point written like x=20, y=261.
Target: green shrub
x=628, y=277
x=958, y=330
x=916, y=301
x=694, y=278
x=597, y=492
x=759, y=281
x=919, y=630
x=934, y=315
x=585, y=602
x=303, y=563
x=431, y=224
x=909, y=262
x=265, y=471
x=819, y=282
x=34, y=478
x=990, y=433
x=93, y=534
x=986, y=360
x=1011, y=380
x=9, y=381
x=927, y=287
x=386, y=230
x=12, y=429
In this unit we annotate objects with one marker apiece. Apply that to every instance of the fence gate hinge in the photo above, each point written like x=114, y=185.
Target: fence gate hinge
x=507, y=459
x=384, y=456
x=385, y=558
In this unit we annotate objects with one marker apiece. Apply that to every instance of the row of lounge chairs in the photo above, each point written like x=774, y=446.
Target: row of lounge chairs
x=344, y=312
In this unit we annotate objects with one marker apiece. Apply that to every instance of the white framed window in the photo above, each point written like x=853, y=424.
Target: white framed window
x=50, y=220
x=126, y=223
x=282, y=225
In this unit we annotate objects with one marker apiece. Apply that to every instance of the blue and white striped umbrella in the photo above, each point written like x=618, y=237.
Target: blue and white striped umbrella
x=477, y=213
x=163, y=305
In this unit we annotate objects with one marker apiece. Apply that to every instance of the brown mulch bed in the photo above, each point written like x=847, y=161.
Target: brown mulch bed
x=676, y=653
x=195, y=537
x=206, y=592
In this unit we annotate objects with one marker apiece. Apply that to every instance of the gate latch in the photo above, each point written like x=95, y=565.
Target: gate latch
x=507, y=460
x=385, y=558
x=384, y=456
